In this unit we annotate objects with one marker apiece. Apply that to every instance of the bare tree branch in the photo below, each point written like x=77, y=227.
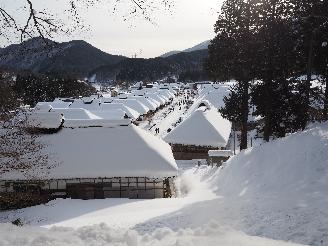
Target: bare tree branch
x=43, y=24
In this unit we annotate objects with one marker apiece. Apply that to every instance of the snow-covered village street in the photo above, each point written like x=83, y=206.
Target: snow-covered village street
x=164, y=123
x=236, y=204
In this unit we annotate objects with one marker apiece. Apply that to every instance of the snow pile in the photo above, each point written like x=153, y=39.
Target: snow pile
x=210, y=235
x=284, y=184
x=277, y=190
x=296, y=165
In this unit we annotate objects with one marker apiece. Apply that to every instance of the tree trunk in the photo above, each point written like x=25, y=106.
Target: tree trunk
x=325, y=109
x=267, y=131
x=245, y=112
x=308, y=80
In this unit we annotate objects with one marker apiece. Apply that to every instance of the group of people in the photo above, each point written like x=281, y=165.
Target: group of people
x=157, y=130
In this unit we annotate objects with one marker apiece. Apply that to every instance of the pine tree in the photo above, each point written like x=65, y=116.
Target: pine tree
x=231, y=56
x=273, y=66
x=310, y=23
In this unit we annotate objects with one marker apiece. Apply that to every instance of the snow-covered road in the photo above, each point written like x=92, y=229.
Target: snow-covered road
x=166, y=118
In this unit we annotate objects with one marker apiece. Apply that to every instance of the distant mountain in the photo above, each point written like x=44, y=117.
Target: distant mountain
x=170, y=53
x=202, y=46
x=151, y=69
x=80, y=59
x=75, y=58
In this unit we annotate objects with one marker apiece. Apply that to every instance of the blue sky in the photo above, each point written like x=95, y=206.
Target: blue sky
x=187, y=24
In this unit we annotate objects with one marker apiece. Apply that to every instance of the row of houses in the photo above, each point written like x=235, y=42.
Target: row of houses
x=97, y=149
x=137, y=105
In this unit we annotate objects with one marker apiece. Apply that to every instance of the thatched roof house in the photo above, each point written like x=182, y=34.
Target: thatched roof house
x=203, y=130
x=100, y=158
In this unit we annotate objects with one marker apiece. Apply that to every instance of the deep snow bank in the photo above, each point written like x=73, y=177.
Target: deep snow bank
x=277, y=190
x=296, y=166
x=101, y=235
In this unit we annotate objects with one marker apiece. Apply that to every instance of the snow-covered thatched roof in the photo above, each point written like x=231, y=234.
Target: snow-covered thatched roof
x=211, y=95
x=134, y=104
x=88, y=104
x=202, y=128
x=112, y=106
x=107, y=99
x=157, y=97
x=166, y=94
x=100, y=152
x=45, y=105
x=78, y=123
x=148, y=103
x=77, y=117
x=157, y=103
x=113, y=114
x=75, y=113
x=45, y=119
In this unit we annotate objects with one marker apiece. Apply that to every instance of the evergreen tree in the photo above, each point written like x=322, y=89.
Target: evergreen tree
x=33, y=89
x=310, y=23
x=231, y=56
x=274, y=63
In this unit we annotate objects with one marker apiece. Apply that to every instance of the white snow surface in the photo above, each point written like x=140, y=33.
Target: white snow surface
x=134, y=104
x=112, y=114
x=90, y=104
x=157, y=98
x=100, y=152
x=101, y=235
x=277, y=190
x=44, y=119
x=273, y=194
x=60, y=104
x=213, y=94
x=112, y=106
x=75, y=114
x=202, y=128
x=148, y=103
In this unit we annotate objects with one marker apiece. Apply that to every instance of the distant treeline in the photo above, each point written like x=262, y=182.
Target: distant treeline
x=29, y=89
